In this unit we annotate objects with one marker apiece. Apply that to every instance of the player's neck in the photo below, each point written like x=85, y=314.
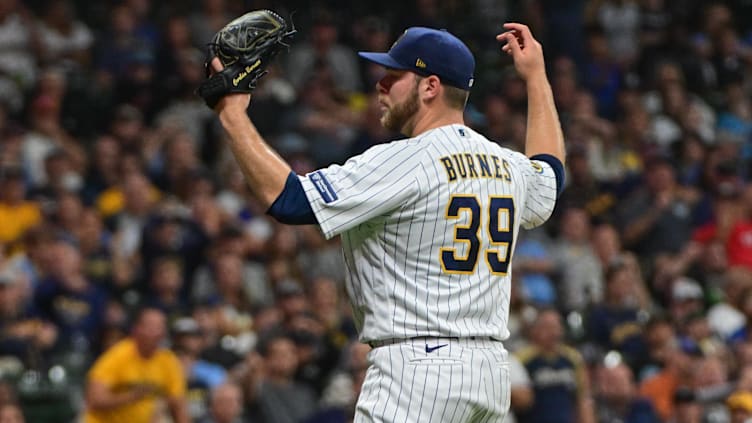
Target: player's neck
x=429, y=119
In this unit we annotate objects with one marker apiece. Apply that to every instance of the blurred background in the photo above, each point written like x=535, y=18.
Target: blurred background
x=117, y=191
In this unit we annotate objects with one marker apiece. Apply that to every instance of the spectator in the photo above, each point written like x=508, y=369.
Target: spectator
x=94, y=243
x=521, y=390
x=128, y=379
x=581, y=273
x=535, y=267
x=232, y=241
x=610, y=162
x=65, y=39
x=739, y=243
x=48, y=134
x=120, y=45
x=201, y=376
x=621, y=23
x=617, y=323
x=325, y=118
x=560, y=382
x=279, y=398
x=11, y=413
x=16, y=213
x=606, y=244
x=583, y=190
x=216, y=346
x=617, y=398
x=18, y=65
x=320, y=258
x=323, y=50
x=175, y=42
x=687, y=298
x=233, y=303
x=745, y=306
x=186, y=110
x=169, y=230
x=70, y=300
x=165, y=284
x=658, y=218
x=341, y=393
x=712, y=387
x=327, y=305
x=676, y=368
x=22, y=335
x=207, y=21
x=226, y=404
x=740, y=407
x=725, y=317
x=602, y=73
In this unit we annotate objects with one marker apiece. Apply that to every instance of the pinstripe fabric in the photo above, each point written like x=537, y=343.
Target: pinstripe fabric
x=390, y=208
x=466, y=381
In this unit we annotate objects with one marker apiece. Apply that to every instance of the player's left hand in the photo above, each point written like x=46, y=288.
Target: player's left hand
x=230, y=101
x=245, y=47
x=525, y=50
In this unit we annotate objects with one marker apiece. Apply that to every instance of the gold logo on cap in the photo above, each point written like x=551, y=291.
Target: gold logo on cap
x=420, y=64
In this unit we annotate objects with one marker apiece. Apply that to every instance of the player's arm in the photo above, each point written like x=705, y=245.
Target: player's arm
x=544, y=140
x=544, y=134
x=269, y=177
x=263, y=169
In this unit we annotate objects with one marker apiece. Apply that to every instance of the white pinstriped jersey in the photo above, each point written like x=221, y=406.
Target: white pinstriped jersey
x=428, y=226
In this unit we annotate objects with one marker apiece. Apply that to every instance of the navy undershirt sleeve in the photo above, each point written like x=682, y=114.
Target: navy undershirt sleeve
x=292, y=206
x=558, y=168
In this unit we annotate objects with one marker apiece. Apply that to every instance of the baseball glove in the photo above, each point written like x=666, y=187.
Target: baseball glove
x=245, y=46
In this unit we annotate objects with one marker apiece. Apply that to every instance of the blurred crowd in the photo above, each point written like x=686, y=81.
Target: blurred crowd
x=118, y=195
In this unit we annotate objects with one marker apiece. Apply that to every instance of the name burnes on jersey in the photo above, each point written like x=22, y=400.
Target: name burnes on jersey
x=467, y=165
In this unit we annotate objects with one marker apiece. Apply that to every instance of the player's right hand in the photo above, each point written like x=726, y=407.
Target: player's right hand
x=525, y=50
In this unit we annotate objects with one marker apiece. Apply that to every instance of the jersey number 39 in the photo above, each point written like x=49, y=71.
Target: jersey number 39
x=500, y=234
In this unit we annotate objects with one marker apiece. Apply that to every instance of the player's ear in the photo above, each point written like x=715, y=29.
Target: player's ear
x=430, y=87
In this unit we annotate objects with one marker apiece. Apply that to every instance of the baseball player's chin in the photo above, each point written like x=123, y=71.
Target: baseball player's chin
x=396, y=117
x=387, y=119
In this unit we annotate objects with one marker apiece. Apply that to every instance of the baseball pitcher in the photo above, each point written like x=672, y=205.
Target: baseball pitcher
x=428, y=223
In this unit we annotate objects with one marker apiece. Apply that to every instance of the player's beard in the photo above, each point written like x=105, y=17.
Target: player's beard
x=398, y=116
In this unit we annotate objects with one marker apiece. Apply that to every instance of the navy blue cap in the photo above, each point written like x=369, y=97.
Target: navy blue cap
x=428, y=51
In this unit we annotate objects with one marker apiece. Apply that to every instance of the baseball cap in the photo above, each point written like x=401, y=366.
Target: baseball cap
x=428, y=51
x=685, y=288
x=186, y=326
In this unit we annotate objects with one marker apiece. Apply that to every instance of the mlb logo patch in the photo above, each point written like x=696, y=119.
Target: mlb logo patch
x=325, y=189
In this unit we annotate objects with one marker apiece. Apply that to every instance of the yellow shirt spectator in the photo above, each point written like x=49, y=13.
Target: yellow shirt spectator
x=125, y=384
x=16, y=219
